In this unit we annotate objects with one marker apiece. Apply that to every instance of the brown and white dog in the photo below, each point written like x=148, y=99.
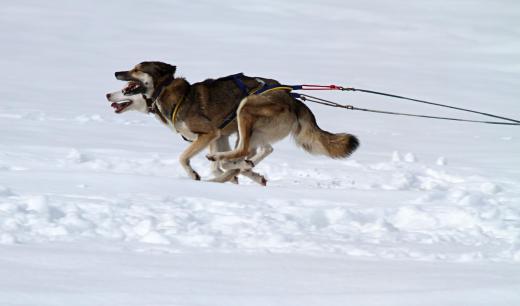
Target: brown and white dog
x=205, y=113
x=124, y=100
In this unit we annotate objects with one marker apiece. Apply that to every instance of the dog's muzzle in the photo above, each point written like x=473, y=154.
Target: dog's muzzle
x=124, y=76
x=134, y=88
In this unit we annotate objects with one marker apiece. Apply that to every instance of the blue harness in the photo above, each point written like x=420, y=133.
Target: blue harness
x=237, y=78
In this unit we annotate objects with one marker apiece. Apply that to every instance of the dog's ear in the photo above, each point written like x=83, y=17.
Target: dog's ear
x=171, y=69
x=165, y=68
x=156, y=69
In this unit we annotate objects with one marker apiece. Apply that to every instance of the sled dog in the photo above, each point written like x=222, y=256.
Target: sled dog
x=207, y=112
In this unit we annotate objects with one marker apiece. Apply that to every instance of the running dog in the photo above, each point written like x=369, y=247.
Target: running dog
x=206, y=111
x=153, y=88
x=127, y=100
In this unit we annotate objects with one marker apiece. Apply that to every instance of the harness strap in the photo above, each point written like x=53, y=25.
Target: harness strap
x=267, y=88
x=427, y=102
x=154, y=110
x=336, y=87
x=240, y=84
x=351, y=107
x=243, y=88
x=230, y=117
x=263, y=88
x=176, y=110
x=156, y=93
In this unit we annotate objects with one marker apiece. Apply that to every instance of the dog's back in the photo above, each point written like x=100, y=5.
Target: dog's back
x=218, y=99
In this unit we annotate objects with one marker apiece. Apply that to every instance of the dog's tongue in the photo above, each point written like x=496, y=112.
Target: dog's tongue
x=116, y=106
x=119, y=106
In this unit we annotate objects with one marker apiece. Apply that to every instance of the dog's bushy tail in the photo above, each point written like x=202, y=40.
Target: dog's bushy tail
x=314, y=140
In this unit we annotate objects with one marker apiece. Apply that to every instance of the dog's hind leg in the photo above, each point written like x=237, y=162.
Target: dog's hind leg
x=226, y=176
x=245, y=166
x=220, y=144
x=262, y=152
x=251, y=161
x=245, y=123
x=231, y=174
x=255, y=177
x=256, y=115
x=202, y=141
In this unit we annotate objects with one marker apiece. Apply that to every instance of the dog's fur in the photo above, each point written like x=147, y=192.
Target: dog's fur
x=266, y=118
x=261, y=119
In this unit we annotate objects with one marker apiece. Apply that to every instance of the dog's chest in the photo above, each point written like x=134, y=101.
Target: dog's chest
x=182, y=128
x=179, y=126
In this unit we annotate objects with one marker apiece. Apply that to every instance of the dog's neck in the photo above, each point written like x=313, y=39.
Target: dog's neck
x=161, y=84
x=172, y=94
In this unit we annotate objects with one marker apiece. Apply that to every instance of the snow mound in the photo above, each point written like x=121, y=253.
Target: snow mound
x=452, y=217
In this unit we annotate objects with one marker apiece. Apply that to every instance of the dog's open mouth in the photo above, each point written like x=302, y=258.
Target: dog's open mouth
x=121, y=106
x=133, y=88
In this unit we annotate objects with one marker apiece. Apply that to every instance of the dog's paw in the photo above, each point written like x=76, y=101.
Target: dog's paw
x=248, y=164
x=194, y=175
x=211, y=157
x=255, y=177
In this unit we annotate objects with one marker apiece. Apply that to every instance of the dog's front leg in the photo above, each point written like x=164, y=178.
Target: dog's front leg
x=202, y=141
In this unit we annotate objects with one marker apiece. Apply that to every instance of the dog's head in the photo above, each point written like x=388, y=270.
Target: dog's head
x=142, y=81
x=123, y=101
x=144, y=77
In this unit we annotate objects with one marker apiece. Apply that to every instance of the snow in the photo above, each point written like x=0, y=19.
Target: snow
x=96, y=210
x=110, y=275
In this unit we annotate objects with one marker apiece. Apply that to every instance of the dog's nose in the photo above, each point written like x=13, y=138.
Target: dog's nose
x=120, y=74
x=108, y=96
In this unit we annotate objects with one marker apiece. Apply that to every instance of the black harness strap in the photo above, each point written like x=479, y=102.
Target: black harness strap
x=240, y=84
x=230, y=117
x=263, y=87
x=245, y=92
x=334, y=104
x=428, y=102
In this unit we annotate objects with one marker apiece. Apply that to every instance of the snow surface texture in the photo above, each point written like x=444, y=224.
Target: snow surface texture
x=424, y=212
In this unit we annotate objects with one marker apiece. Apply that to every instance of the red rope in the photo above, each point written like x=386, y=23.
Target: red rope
x=321, y=87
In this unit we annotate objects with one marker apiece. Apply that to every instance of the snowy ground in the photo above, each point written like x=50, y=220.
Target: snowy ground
x=95, y=209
